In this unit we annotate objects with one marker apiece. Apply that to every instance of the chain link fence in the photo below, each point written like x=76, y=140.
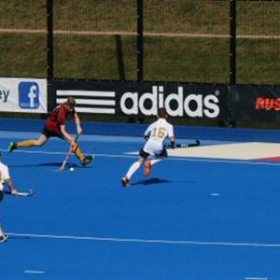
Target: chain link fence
x=164, y=40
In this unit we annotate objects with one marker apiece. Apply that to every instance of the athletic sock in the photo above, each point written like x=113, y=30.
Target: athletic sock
x=25, y=143
x=154, y=161
x=133, y=168
x=78, y=153
x=1, y=231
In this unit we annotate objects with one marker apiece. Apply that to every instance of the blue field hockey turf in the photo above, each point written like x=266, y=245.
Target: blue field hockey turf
x=192, y=219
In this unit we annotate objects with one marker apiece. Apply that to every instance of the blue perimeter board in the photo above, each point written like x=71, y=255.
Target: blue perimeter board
x=192, y=219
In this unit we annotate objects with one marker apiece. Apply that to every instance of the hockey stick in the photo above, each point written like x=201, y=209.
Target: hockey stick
x=25, y=194
x=195, y=144
x=68, y=154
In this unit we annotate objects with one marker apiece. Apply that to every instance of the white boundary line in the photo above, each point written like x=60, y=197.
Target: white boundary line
x=29, y=271
x=147, y=241
x=256, y=278
x=189, y=159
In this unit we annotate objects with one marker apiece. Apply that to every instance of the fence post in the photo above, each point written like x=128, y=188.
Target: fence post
x=232, y=78
x=50, y=39
x=139, y=40
x=232, y=42
x=119, y=51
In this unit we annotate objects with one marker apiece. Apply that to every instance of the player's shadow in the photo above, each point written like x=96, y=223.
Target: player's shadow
x=150, y=181
x=58, y=164
x=55, y=164
x=17, y=237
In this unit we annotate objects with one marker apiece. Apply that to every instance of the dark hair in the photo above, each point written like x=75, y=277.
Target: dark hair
x=71, y=102
x=162, y=113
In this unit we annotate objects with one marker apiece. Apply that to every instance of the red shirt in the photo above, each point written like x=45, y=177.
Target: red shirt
x=57, y=118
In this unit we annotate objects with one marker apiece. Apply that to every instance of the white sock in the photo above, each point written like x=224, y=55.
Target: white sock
x=154, y=161
x=1, y=231
x=133, y=168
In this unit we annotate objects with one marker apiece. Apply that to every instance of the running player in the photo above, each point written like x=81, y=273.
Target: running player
x=155, y=135
x=5, y=178
x=55, y=127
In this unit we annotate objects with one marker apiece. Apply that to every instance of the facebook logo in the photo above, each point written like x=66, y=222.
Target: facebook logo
x=29, y=95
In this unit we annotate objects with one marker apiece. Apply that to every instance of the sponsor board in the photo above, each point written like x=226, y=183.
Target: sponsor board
x=23, y=95
x=256, y=103
x=189, y=101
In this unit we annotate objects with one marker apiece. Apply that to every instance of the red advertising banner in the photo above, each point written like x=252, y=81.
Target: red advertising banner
x=255, y=103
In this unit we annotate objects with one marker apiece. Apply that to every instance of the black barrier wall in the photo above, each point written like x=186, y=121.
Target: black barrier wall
x=190, y=102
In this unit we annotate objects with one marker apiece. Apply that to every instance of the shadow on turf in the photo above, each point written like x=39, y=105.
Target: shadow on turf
x=56, y=164
x=17, y=237
x=150, y=181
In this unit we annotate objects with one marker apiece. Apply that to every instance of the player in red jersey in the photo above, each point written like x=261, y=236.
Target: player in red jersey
x=55, y=127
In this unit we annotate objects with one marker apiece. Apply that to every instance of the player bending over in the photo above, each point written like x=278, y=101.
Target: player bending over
x=55, y=127
x=5, y=179
x=155, y=135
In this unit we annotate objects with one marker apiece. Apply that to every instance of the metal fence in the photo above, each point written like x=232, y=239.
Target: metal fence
x=193, y=41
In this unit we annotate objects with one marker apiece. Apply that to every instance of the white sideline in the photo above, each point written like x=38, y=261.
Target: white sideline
x=153, y=241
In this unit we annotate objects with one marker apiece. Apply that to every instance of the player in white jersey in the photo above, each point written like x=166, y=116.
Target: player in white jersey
x=155, y=134
x=5, y=178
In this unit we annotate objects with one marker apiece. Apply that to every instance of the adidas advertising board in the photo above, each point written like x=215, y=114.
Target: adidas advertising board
x=143, y=99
